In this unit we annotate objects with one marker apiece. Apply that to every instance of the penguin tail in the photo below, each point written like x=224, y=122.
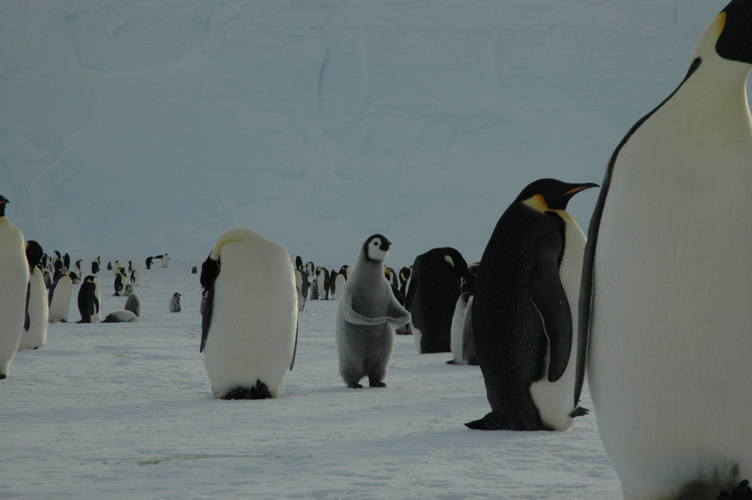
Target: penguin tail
x=257, y=391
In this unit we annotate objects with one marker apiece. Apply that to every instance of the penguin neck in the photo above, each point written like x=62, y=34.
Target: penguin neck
x=715, y=93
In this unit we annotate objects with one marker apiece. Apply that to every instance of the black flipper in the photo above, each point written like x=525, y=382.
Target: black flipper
x=547, y=294
x=295, y=347
x=209, y=273
x=27, y=318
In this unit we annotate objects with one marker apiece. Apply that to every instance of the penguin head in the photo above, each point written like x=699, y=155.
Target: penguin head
x=34, y=253
x=3, y=201
x=732, y=29
x=376, y=248
x=551, y=194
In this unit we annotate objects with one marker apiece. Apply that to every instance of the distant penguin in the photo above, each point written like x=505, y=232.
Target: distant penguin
x=59, y=298
x=314, y=293
x=667, y=283
x=299, y=277
x=337, y=282
x=88, y=301
x=95, y=265
x=47, y=275
x=77, y=268
x=165, y=260
x=121, y=280
x=123, y=316
x=35, y=332
x=367, y=315
x=299, y=263
x=133, y=304
x=194, y=270
x=463, y=341
x=309, y=269
x=109, y=266
x=116, y=267
x=175, y=303
x=527, y=287
x=322, y=275
x=250, y=315
x=149, y=262
x=131, y=267
x=135, y=278
x=434, y=289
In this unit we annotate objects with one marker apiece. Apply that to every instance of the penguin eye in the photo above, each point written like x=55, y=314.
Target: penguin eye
x=375, y=242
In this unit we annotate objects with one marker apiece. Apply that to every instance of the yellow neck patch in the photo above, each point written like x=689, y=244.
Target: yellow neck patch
x=720, y=23
x=537, y=202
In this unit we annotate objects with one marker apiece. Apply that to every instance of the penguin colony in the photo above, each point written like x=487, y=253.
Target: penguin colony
x=543, y=308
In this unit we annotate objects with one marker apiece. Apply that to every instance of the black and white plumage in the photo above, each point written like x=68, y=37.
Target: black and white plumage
x=431, y=298
x=665, y=306
x=249, y=315
x=14, y=286
x=89, y=300
x=526, y=290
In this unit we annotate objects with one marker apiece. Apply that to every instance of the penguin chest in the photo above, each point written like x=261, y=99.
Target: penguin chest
x=671, y=314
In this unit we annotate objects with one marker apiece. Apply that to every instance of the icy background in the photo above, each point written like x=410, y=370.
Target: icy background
x=123, y=411
x=151, y=126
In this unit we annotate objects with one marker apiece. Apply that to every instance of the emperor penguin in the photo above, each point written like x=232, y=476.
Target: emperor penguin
x=135, y=278
x=462, y=338
x=95, y=265
x=14, y=289
x=367, y=315
x=116, y=268
x=121, y=280
x=149, y=262
x=35, y=332
x=89, y=300
x=337, y=282
x=59, y=298
x=434, y=289
x=175, y=303
x=249, y=316
x=165, y=259
x=527, y=286
x=667, y=281
x=322, y=274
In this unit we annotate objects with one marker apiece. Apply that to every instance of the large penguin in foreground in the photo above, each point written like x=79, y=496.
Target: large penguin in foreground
x=14, y=281
x=35, y=331
x=367, y=315
x=523, y=309
x=435, y=282
x=667, y=282
x=250, y=316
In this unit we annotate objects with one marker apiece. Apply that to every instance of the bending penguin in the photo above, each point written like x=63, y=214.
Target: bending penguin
x=667, y=283
x=249, y=317
x=14, y=286
x=527, y=286
x=431, y=298
x=367, y=315
x=35, y=331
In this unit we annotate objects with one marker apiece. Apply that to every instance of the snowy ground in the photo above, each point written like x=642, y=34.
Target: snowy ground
x=126, y=411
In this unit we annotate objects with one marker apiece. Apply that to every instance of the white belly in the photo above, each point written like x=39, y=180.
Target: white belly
x=671, y=337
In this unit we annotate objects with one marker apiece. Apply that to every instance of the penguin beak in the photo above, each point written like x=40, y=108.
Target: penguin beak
x=580, y=187
x=385, y=245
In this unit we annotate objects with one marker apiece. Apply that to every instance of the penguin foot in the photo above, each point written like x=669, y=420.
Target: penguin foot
x=257, y=391
x=376, y=384
x=579, y=412
x=355, y=385
x=3, y=376
x=741, y=492
x=498, y=422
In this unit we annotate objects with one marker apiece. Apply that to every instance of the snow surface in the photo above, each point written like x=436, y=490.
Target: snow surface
x=125, y=410
x=151, y=126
